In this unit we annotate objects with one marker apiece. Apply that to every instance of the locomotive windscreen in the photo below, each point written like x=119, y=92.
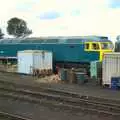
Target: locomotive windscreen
x=107, y=45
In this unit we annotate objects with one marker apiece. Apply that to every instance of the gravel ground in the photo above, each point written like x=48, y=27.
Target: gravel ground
x=39, y=112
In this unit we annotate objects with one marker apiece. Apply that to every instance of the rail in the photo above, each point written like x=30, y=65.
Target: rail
x=11, y=116
x=59, y=99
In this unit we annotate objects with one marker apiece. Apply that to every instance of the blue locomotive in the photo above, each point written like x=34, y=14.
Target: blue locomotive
x=66, y=50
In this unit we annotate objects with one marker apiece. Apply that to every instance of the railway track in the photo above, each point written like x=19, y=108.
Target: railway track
x=60, y=99
x=57, y=91
x=8, y=116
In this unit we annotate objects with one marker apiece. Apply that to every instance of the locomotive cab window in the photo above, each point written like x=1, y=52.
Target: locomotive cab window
x=95, y=46
x=107, y=46
x=87, y=46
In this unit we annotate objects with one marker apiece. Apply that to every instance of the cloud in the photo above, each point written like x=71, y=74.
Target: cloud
x=49, y=15
x=79, y=17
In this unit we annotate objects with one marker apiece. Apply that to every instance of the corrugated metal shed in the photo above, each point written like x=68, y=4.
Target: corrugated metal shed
x=29, y=60
x=110, y=66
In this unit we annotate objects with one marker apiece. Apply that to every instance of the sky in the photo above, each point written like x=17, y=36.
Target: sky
x=64, y=17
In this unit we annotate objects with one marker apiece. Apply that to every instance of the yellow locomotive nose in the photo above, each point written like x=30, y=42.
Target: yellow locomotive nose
x=102, y=52
x=105, y=47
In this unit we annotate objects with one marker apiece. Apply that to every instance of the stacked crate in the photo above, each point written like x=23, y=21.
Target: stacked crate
x=78, y=76
x=71, y=78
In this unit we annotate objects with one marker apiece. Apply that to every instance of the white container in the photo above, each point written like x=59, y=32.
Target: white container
x=110, y=67
x=34, y=59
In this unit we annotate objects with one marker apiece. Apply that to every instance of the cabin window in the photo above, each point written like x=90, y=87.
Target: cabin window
x=87, y=46
x=107, y=46
x=95, y=46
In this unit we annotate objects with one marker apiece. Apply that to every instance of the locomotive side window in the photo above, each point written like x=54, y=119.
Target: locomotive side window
x=95, y=46
x=87, y=46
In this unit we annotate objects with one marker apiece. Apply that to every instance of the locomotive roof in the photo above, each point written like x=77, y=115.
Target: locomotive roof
x=58, y=40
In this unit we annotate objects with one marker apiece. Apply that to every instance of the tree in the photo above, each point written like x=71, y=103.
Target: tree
x=27, y=32
x=1, y=34
x=18, y=28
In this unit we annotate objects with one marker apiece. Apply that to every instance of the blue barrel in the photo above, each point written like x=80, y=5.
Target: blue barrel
x=63, y=74
x=115, y=82
x=80, y=77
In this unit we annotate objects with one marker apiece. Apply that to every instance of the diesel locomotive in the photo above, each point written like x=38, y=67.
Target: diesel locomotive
x=66, y=50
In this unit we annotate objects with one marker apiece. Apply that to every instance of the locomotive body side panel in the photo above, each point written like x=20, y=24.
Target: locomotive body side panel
x=61, y=52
